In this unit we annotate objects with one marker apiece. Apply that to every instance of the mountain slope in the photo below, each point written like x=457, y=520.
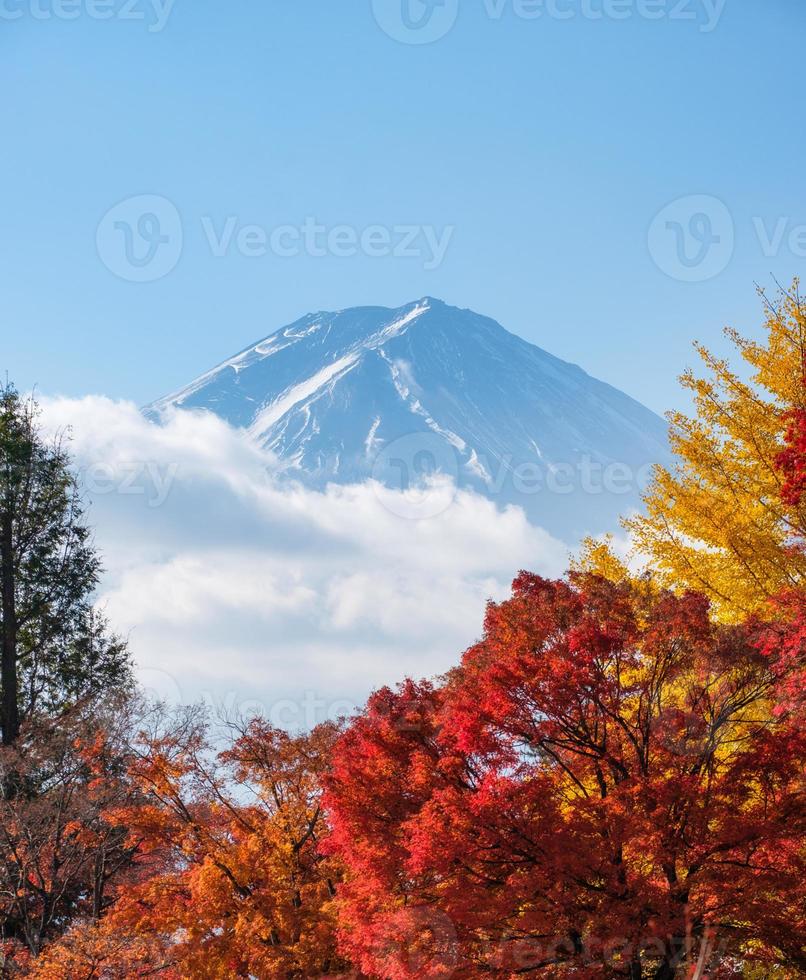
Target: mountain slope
x=398, y=394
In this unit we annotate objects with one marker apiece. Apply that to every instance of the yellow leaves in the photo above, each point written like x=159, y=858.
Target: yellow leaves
x=597, y=557
x=778, y=364
x=717, y=523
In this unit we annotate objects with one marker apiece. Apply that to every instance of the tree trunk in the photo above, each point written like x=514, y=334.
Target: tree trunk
x=98, y=885
x=665, y=971
x=8, y=663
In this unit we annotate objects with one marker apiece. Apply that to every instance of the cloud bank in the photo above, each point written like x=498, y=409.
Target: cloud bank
x=253, y=593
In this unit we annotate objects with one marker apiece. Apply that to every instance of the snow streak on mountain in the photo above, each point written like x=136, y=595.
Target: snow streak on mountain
x=398, y=395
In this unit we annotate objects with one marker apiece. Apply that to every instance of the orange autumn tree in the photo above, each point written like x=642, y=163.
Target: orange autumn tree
x=61, y=852
x=95, y=951
x=610, y=785
x=232, y=883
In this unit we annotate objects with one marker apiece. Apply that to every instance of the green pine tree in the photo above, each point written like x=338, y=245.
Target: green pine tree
x=56, y=649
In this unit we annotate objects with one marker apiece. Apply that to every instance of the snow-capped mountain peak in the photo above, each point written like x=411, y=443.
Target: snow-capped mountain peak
x=396, y=394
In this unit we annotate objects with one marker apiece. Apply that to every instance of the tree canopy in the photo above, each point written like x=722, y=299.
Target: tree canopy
x=55, y=646
x=730, y=519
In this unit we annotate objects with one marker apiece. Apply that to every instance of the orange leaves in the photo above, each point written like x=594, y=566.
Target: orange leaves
x=236, y=885
x=92, y=952
x=59, y=851
x=607, y=784
x=154, y=856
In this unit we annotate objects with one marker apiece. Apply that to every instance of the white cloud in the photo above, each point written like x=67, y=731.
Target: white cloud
x=236, y=586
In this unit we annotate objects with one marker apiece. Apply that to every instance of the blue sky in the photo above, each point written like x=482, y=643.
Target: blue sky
x=540, y=151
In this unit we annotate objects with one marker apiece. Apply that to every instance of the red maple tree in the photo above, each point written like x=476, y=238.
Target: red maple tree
x=609, y=785
x=792, y=460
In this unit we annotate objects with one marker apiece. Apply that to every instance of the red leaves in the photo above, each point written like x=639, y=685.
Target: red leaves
x=608, y=784
x=602, y=764
x=792, y=460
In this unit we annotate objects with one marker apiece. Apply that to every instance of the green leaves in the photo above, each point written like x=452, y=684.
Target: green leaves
x=56, y=649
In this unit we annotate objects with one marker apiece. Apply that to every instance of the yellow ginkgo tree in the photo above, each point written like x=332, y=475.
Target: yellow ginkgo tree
x=718, y=522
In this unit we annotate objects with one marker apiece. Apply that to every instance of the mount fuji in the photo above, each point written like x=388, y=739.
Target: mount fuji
x=401, y=395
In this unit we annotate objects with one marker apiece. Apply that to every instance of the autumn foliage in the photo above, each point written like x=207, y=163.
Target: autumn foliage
x=792, y=460
x=609, y=784
x=242, y=888
x=60, y=848
x=600, y=787
x=229, y=880
x=725, y=519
